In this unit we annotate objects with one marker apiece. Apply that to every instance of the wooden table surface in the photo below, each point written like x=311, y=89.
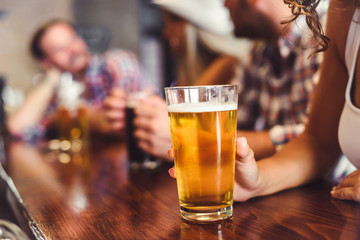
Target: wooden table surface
x=97, y=197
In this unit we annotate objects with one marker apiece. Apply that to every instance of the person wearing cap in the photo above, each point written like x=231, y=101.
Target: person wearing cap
x=276, y=83
x=62, y=53
x=194, y=56
x=204, y=47
x=193, y=38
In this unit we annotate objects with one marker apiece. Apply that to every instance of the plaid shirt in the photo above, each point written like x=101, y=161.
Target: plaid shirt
x=276, y=86
x=114, y=68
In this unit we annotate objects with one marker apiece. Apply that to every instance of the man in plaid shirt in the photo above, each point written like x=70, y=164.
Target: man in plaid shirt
x=276, y=85
x=58, y=50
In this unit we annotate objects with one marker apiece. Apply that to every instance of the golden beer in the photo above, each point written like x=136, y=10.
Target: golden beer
x=73, y=128
x=203, y=140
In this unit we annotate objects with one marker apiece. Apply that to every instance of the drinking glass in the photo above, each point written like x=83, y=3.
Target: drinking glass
x=138, y=158
x=10, y=231
x=73, y=119
x=203, y=133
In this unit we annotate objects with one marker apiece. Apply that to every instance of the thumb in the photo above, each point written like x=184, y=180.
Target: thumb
x=246, y=170
x=244, y=154
x=349, y=193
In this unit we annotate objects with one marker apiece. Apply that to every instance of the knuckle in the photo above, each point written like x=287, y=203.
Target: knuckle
x=152, y=126
x=356, y=193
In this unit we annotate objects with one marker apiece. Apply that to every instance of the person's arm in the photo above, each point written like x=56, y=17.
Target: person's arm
x=35, y=104
x=266, y=143
x=260, y=142
x=314, y=152
x=221, y=71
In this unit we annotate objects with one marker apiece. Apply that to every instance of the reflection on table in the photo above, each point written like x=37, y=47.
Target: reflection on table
x=96, y=196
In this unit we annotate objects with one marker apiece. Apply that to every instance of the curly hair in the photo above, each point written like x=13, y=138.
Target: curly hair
x=308, y=8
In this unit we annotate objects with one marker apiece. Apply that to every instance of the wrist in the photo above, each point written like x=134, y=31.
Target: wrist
x=52, y=78
x=260, y=188
x=52, y=83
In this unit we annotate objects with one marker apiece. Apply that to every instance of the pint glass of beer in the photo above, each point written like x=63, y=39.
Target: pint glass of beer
x=203, y=132
x=72, y=115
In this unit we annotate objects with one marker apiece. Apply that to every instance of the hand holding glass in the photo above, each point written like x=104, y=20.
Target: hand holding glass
x=137, y=157
x=203, y=133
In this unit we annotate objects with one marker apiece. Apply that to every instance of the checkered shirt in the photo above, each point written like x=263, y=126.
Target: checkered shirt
x=114, y=68
x=277, y=84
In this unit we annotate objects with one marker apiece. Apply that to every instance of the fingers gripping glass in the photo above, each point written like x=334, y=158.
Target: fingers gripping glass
x=203, y=133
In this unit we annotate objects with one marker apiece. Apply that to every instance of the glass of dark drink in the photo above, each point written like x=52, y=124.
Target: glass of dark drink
x=138, y=159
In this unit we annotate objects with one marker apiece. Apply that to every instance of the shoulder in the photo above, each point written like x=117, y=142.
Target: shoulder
x=121, y=60
x=119, y=54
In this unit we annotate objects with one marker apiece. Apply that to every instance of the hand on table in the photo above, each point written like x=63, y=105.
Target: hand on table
x=152, y=127
x=114, y=107
x=349, y=188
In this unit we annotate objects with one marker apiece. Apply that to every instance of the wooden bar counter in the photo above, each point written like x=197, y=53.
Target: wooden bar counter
x=96, y=196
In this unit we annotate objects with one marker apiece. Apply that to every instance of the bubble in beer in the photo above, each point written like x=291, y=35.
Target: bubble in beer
x=77, y=159
x=65, y=145
x=64, y=158
x=75, y=132
x=54, y=144
x=76, y=145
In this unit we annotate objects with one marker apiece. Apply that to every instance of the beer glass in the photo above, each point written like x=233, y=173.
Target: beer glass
x=72, y=116
x=203, y=132
x=137, y=157
x=73, y=127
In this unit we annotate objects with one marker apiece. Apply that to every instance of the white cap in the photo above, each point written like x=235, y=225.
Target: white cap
x=209, y=15
x=227, y=44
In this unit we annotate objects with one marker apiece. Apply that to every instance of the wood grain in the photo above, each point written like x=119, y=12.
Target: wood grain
x=98, y=197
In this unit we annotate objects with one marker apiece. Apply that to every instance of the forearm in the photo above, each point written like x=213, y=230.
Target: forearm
x=292, y=167
x=221, y=71
x=260, y=143
x=33, y=108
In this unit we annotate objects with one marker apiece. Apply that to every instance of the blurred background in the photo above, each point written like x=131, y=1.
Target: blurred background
x=104, y=24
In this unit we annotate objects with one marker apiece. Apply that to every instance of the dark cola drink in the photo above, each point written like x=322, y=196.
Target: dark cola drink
x=138, y=159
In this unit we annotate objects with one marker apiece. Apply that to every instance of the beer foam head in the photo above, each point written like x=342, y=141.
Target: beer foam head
x=202, y=107
x=132, y=103
x=133, y=99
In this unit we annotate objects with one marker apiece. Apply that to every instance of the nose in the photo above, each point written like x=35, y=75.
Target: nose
x=73, y=45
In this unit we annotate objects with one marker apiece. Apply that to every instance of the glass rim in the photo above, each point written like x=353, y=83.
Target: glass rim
x=200, y=86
